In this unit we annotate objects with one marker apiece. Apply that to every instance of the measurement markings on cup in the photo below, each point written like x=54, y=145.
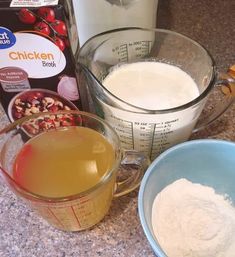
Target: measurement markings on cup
x=124, y=129
x=132, y=51
x=142, y=134
x=72, y=215
x=161, y=138
x=76, y=217
x=122, y=52
x=142, y=48
x=55, y=218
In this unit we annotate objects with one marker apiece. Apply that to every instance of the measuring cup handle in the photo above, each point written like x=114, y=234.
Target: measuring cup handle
x=226, y=84
x=133, y=165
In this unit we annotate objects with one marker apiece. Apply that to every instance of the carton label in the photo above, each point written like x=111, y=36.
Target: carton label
x=14, y=79
x=7, y=38
x=32, y=3
x=41, y=58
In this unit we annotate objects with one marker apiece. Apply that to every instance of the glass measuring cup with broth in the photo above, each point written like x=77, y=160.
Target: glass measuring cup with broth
x=79, y=158
x=151, y=85
x=66, y=168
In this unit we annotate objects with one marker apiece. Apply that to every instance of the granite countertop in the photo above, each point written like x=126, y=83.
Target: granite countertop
x=24, y=234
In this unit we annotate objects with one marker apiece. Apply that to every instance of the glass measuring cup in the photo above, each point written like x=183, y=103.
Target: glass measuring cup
x=77, y=211
x=149, y=131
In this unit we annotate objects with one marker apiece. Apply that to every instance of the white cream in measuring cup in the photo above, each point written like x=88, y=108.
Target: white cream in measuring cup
x=152, y=86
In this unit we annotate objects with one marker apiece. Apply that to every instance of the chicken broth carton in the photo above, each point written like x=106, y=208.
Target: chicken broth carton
x=37, y=70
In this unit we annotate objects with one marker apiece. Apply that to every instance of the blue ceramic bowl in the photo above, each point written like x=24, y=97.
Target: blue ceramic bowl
x=207, y=161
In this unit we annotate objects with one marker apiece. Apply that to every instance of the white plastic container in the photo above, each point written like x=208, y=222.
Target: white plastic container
x=96, y=16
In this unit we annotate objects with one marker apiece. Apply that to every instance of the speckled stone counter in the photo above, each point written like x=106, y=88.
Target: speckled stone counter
x=24, y=234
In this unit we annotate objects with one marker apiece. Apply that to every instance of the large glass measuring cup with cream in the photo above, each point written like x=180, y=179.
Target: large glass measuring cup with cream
x=150, y=85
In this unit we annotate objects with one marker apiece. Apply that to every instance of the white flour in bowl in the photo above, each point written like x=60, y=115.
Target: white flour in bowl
x=191, y=220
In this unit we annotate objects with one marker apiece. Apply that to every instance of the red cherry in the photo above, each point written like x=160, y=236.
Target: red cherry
x=60, y=43
x=60, y=27
x=26, y=16
x=46, y=13
x=42, y=27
